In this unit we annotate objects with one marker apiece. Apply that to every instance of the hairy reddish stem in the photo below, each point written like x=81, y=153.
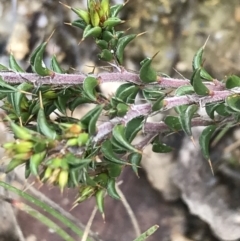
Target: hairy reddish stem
x=218, y=93
x=74, y=79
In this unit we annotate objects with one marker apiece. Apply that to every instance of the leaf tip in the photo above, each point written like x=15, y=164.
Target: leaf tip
x=210, y=164
x=193, y=141
x=206, y=42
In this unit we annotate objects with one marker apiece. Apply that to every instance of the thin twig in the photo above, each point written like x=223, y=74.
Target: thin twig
x=130, y=212
x=89, y=224
x=18, y=229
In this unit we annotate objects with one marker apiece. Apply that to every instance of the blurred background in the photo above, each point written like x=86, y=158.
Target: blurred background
x=176, y=191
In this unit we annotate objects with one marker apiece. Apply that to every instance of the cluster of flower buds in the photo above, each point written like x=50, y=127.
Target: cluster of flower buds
x=75, y=134
x=29, y=148
x=39, y=154
x=98, y=21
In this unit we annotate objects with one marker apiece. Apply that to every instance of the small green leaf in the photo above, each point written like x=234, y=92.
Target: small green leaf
x=90, y=31
x=197, y=83
x=107, y=151
x=27, y=170
x=13, y=164
x=122, y=88
x=38, y=61
x=135, y=160
x=74, y=177
x=84, y=15
x=151, y=94
x=185, y=119
x=61, y=103
x=78, y=101
x=183, y=90
x=55, y=65
x=158, y=104
x=222, y=110
x=115, y=9
x=197, y=63
x=114, y=102
x=79, y=163
x=92, y=128
x=14, y=65
x=204, y=141
x=114, y=170
x=122, y=109
x=40, y=146
x=3, y=68
x=147, y=73
x=173, y=123
x=44, y=126
x=232, y=82
x=79, y=23
x=17, y=98
x=122, y=43
x=85, y=120
x=35, y=161
x=125, y=93
x=102, y=179
x=197, y=59
x=102, y=44
x=111, y=189
x=233, y=102
x=89, y=85
x=112, y=22
x=107, y=35
x=210, y=108
x=100, y=200
x=148, y=233
x=231, y=111
x=20, y=132
x=33, y=56
x=117, y=147
x=105, y=55
x=159, y=147
x=118, y=133
x=133, y=127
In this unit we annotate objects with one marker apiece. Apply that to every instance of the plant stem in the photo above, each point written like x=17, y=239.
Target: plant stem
x=124, y=76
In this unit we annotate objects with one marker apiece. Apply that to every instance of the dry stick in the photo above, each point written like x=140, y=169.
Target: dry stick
x=18, y=229
x=4, y=194
x=54, y=205
x=129, y=211
x=89, y=224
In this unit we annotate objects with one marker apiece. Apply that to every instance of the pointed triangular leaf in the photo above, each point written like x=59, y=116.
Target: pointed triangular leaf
x=133, y=127
x=119, y=134
x=173, y=123
x=197, y=83
x=107, y=151
x=233, y=102
x=185, y=119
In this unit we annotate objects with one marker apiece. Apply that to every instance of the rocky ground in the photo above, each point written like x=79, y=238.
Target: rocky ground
x=175, y=191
